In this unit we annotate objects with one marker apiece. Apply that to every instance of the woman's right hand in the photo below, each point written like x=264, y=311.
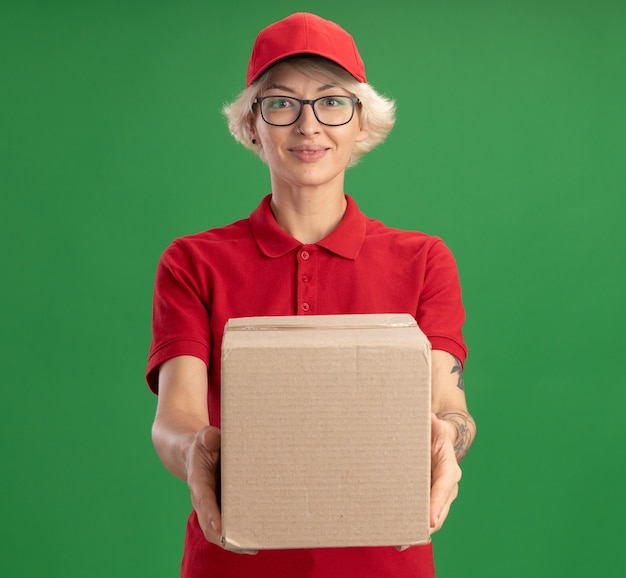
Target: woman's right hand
x=188, y=446
x=202, y=472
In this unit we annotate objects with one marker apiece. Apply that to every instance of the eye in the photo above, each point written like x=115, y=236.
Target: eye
x=277, y=103
x=333, y=101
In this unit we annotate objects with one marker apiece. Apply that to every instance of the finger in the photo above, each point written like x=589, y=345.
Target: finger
x=440, y=520
x=202, y=481
x=210, y=438
x=443, y=493
x=438, y=514
x=446, y=475
x=204, y=503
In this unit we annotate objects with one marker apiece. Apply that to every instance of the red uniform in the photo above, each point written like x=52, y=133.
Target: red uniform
x=253, y=267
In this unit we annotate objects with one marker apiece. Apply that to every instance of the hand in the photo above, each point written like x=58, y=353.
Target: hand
x=445, y=472
x=202, y=472
x=202, y=467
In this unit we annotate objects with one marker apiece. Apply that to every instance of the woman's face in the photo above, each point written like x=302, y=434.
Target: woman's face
x=306, y=153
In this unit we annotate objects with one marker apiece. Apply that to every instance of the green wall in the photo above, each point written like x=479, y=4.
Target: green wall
x=509, y=144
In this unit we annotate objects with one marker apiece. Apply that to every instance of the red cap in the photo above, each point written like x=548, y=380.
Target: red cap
x=304, y=33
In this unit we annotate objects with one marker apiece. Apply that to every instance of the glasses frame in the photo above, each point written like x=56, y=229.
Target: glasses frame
x=259, y=100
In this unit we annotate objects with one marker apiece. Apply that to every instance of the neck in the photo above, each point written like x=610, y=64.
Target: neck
x=308, y=215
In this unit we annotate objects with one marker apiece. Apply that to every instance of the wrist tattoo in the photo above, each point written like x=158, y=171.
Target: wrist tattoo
x=457, y=368
x=465, y=431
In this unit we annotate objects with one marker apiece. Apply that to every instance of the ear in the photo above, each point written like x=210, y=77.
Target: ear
x=254, y=134
x=362, y=134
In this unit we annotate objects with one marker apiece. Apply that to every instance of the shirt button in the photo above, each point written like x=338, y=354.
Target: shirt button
x=306, y=278
x=305, y=255
x=305, y=307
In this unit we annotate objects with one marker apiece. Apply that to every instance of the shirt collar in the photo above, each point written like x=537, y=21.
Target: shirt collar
x=345, y=240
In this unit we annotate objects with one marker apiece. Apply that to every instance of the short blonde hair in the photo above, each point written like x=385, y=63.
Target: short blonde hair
x=376, y=112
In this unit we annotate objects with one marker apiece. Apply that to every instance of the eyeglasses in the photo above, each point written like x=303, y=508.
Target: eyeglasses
x=286, y=110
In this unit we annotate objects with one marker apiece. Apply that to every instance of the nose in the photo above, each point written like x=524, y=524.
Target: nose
x=307, y=124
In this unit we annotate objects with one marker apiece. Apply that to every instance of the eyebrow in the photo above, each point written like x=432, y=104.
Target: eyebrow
x=286, y=88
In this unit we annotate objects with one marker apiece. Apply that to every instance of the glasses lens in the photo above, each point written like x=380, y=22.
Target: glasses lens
x=280, y=110
x=334, y=110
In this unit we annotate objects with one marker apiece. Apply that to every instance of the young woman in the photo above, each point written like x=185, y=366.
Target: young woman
x=307, y=249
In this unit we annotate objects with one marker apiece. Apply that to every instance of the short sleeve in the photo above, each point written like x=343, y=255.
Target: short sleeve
x=180, y=315
x=440, y=313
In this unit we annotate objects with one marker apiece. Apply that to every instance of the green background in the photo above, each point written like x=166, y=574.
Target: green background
x=510, y=144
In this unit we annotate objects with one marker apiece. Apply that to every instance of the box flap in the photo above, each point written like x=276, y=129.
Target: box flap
x=356, y=321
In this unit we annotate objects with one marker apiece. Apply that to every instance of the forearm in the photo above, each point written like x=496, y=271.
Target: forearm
x=172, y=435
x=461, y=428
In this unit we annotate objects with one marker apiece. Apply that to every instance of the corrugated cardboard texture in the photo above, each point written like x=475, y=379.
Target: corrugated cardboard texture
x=325, y=432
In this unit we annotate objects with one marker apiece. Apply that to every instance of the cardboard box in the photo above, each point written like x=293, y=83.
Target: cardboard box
x=325, y=432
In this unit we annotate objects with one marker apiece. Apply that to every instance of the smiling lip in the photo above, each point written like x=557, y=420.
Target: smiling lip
x=308, y=153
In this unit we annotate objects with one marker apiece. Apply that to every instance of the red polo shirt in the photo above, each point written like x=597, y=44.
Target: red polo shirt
x=253, y=267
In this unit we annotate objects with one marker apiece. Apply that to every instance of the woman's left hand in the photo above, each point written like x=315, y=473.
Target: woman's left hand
x=445, y=472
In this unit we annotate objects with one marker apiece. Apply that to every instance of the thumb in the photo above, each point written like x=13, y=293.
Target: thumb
x=436, y=426
x=210, y=437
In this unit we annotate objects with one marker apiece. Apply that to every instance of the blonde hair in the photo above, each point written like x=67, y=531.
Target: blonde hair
x=376, y=112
